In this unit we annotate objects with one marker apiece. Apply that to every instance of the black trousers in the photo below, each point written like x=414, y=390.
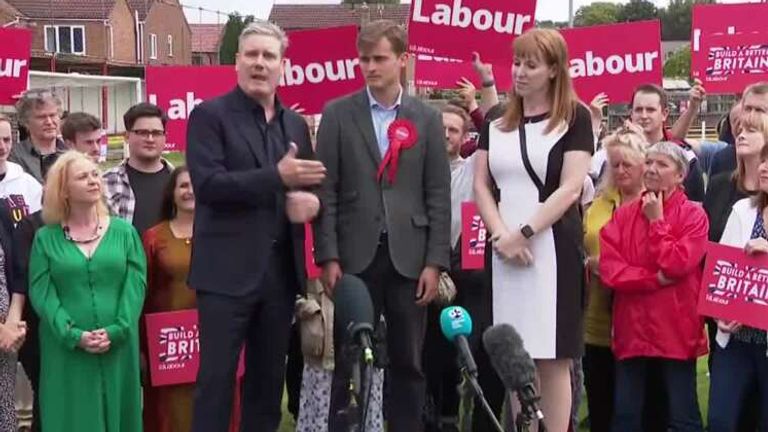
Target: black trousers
x=294, y=371
x=394, y=296
x=261, y=320
x=29, y=356
x=599, y=380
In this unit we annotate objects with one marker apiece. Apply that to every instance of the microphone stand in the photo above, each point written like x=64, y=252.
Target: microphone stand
x=529, y=410
x=361, y=383
x=472, y=379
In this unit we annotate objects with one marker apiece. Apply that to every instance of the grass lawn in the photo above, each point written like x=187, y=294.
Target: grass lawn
x=702, y=381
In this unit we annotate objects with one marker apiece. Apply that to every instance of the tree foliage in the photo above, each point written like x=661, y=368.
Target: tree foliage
x=232, y=29
x=637, y=10
x=596, y=13
x=678, y=65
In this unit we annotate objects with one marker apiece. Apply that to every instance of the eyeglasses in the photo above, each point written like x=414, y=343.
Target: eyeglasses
x=146, y=133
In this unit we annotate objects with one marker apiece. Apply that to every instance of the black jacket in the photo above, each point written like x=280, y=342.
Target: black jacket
x=240, y=198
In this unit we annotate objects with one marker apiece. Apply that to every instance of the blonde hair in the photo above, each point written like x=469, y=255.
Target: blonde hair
x=549, y=46
x=754, y=121
x=56, y=206
x=631, y=144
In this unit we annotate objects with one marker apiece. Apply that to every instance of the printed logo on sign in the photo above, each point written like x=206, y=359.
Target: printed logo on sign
x=179, y=345
x=315, y=73
x=11, y=68
x=477, y=240
x=746, y=59
x=179, y=109
x=461, y=16
x=593, y=65
x=738, y=282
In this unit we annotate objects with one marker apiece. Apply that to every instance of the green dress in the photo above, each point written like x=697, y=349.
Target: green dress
x=80, y=391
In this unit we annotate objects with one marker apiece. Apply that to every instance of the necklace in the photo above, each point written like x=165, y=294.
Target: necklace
x=176, y=232
x=95, y=236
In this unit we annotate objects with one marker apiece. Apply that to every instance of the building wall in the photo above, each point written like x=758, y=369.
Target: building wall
x=7, y=13
x=124, y=32
x=163, y=20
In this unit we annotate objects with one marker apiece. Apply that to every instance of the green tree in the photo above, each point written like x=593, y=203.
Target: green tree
x=676, y=19
x=596, y=13
x=552, y=24
x=679, y=64
x=232, y=29
x=637, y=10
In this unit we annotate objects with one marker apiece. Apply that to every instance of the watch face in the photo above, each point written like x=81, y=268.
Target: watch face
x=527, y=231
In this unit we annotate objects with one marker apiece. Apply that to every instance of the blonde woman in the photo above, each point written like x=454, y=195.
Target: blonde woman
x=623, y=183
x=537, y=155
x=87, y=283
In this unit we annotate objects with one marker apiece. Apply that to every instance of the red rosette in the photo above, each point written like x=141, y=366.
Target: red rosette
x=402, y=136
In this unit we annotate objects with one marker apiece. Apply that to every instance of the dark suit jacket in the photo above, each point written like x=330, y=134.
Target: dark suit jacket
x=6, y=240
x=416, y=208
x=240, y=197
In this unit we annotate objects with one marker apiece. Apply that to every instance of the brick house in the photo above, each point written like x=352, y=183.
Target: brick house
x=108, y=37
x=309, y=16
x=163, y=33
x=206, y=41
x=87, y=36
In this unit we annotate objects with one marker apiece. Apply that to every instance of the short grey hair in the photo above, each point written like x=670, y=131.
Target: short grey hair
x=33, y=99
x=673, y=151
x=264, y=28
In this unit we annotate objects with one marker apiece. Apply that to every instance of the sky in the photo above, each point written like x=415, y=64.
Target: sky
x=556, y=10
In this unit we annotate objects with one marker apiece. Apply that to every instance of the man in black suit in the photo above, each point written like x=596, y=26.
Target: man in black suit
x=391, y=227
x=248, y=157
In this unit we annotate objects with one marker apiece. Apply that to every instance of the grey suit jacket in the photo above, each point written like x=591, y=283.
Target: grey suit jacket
x=415, y=210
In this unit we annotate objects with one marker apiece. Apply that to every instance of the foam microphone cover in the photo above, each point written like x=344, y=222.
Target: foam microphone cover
x=512, y=362
x=352, y=302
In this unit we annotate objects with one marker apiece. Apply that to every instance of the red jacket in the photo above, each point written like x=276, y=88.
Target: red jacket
x=650, y=320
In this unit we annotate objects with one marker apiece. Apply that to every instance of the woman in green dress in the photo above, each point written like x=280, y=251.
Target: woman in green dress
x=87, y=284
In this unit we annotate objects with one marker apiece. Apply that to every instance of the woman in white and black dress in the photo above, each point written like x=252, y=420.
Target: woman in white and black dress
x=529, y=174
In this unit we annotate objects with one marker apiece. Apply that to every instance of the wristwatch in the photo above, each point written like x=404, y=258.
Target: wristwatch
x=489, y=83
x=527, y=231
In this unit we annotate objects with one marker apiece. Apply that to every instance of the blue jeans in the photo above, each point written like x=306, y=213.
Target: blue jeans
x=680, y=383
x=736, y=370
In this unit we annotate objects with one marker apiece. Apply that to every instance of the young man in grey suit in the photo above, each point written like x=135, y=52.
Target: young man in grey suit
x=387, y=222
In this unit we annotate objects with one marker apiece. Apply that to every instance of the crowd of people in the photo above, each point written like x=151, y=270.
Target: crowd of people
x=596, y=239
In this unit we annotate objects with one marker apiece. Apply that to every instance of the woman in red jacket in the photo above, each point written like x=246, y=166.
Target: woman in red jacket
x=649, y=255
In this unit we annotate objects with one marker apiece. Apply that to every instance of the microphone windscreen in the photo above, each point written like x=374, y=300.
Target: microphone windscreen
x=512, y=362
x=352, y=302
x=455, y=321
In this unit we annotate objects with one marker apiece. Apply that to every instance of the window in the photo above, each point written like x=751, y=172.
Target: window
x=197, y=59
x=170, y=45
x=65, y=39
x=153, y=46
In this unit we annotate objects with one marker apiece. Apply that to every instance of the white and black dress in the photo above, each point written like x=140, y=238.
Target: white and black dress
x=545, y=301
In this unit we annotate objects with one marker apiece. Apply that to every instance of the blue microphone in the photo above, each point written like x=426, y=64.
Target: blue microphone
x=456, y=324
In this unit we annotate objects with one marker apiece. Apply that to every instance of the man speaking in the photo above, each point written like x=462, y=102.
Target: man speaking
x=248, y=158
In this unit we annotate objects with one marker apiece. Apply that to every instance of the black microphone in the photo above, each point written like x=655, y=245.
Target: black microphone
x=353, y=313
x=353, y=310
x=514, y=366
